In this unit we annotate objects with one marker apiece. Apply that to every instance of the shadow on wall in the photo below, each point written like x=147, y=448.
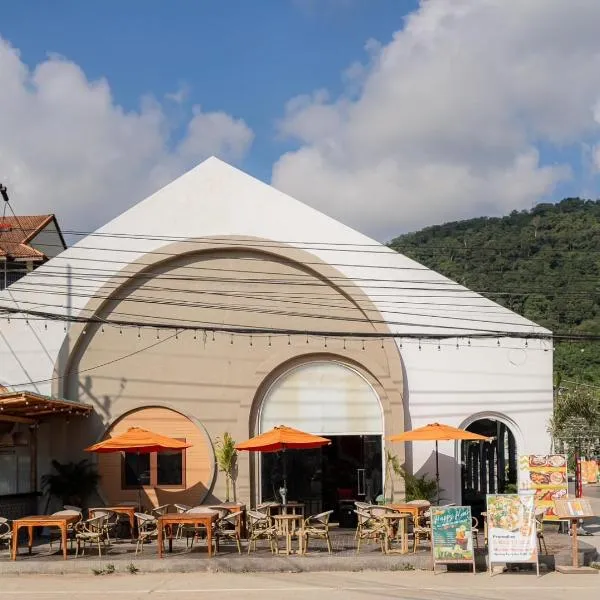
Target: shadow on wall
x=447, y=468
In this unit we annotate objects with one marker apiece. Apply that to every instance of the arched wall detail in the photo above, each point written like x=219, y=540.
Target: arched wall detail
x=341, y=402
x=199, y=458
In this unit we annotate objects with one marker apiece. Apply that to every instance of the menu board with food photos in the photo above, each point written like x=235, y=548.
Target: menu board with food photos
x=512, y=534
x=546, y=476
x=452, y=535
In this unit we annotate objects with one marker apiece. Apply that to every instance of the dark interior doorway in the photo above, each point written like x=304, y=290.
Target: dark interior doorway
x=327, y=478
x=488, y=467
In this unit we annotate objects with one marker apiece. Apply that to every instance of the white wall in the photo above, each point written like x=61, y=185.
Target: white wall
x=217, y=200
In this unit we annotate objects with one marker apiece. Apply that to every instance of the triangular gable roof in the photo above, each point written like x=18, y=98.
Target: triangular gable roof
x=215, y=199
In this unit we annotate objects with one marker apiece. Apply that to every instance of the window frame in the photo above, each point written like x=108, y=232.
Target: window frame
x=154, y=472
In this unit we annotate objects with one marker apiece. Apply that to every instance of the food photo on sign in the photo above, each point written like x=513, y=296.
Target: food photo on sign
x=546, y=477
x=512, y=535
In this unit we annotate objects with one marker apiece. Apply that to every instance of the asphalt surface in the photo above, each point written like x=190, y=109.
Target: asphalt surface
x=315, y=586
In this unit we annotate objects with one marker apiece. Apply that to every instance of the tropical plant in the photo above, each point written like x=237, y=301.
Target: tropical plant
x=72, y=482
x=419, y=488
x=575, y=423
x=392, y=467
x=226, y=455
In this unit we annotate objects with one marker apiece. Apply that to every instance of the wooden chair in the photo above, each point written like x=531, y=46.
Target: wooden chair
x=261, y=527
x=226, y=528
x=316, y=526
x=147, y=530
x=369, y=528
x=5, y=532
x=92, y=531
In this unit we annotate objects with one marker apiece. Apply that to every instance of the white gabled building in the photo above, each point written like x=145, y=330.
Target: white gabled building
x=217, y=248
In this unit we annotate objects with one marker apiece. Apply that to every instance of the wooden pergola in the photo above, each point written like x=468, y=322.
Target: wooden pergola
x=30, y=408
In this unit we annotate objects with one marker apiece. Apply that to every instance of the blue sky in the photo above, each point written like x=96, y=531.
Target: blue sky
x=244, y=57
x=459, y=109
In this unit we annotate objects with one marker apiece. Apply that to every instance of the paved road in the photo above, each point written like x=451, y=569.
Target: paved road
x=312, y=586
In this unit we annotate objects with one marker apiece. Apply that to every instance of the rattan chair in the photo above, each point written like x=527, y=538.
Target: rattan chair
x=92, y=531
x=147, y=530
x=369, y=528
x=316, y=526
x=69, y=512
x=421, y=529
x=226, y=528
x=261, y=527
x=5, y=532
x=160, y=510
x=180, y=508
x=475, y=530
x=539, y=527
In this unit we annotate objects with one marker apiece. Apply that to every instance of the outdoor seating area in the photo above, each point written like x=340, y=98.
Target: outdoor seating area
x=202, y=532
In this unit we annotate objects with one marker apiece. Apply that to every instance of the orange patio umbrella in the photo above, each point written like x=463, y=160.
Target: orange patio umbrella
x=437, y=432
x=280, y=439
x=140, y=441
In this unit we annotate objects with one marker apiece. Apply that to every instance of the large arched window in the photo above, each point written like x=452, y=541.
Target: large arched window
x=323, y=397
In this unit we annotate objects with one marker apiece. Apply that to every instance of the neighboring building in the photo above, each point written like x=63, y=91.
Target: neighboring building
x=27, y=242
x=217, y=248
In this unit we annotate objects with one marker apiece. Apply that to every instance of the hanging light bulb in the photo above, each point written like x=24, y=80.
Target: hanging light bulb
x=251, y=340
x=457, y=346
x=269, y=340
x=231, y=339
x=325, y=342
x=498, y=342
x=289, y=340
x=139, y=332
x=363, y=344
x=158, y=334
x=213, y=335
x=419, y=343
x=400, y=344
x=344, y=343
x=439, y=346
x=46, y=326
x=195, y=334
x=307, y=338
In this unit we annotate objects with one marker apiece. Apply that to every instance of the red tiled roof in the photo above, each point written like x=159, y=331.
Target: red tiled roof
x=15, y=232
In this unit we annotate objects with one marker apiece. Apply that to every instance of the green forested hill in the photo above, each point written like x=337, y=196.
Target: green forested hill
x=543, y=263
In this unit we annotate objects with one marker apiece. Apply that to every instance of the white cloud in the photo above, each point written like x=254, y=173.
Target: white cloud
x=67, y=147
x=451, y=116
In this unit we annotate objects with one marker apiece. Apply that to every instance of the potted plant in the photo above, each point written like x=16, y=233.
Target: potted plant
x=226, y=455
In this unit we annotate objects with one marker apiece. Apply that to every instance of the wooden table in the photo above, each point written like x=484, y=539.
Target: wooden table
x=195, y=519
x=60, y=521
x=290, y=508
x=285, y=524
x=128, y=510
x=402, y=533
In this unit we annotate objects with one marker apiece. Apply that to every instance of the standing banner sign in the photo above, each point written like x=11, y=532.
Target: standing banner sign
x=547, y=476
x=452, y=535
x=512, y=534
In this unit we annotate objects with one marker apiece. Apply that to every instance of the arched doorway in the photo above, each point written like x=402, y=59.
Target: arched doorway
x=328, y=398
x=488, y=467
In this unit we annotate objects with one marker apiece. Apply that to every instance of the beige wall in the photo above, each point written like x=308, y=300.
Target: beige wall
x=219, y=384
x=199, y=459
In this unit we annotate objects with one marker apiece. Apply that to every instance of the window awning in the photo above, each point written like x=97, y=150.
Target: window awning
x=30, y=407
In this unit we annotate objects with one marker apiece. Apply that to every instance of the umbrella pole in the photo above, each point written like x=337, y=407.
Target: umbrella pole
x=139, y=486
x=437, y=472
x=284, y=468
